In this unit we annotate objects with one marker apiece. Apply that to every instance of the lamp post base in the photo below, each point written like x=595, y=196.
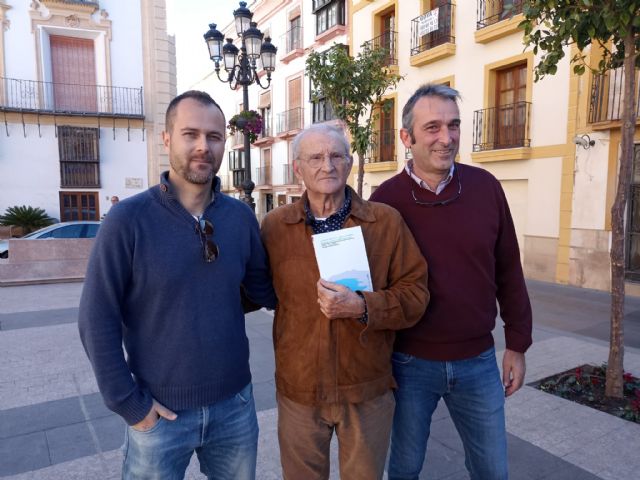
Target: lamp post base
x=248, y=187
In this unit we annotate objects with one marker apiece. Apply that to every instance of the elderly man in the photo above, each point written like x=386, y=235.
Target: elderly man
x=333, y=346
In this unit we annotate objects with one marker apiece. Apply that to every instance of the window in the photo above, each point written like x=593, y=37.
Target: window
x=632, y=232
x=493, y=11
x=79, y=206
x=294, y=34
x=329, y=13
x=511, y=118
x=79, y=157
x=265, y=112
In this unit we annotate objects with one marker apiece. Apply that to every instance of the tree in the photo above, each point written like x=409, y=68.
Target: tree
x=354, y=87
x=612, y=27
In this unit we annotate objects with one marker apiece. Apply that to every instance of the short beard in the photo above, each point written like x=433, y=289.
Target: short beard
x=192, y=177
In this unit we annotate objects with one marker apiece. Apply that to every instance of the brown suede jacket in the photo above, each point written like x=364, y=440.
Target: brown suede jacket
x=321, y=361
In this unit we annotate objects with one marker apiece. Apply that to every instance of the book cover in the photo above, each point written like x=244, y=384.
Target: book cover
x=342, y=258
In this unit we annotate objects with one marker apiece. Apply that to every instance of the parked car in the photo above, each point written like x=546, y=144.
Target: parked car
x=78, y=229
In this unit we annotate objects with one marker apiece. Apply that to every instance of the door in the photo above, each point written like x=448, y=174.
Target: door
x=294, y=105
x=386, y=140
x=74, y=74
x=511, y=109
x=387, y=38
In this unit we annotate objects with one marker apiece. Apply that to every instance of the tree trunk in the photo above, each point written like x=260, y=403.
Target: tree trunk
x=360, y=172
x=614, y=381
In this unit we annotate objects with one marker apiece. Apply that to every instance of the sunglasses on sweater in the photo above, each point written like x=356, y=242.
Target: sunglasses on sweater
x=210, y=249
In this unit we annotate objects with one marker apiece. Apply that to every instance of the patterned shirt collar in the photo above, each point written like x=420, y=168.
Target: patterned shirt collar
x=441, y=186
x=333, y=222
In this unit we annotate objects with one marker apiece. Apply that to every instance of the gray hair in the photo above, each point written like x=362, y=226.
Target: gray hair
x=324, y=129
x=427, y=90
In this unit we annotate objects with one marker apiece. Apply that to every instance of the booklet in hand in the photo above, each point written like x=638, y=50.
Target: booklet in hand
x=342, y=258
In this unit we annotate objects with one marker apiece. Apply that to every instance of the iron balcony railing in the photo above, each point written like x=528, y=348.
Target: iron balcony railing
x=263, y=176
x=288, y=175
x=290, y=120
x=505, y=126
x=493, y=11
x=444, y=34
x=292, y=39
x=237, y=139
x=32, y=96
x=383, y=147
x=607, y=92
x=266, y=128
x=225, y=181
x=237, y=178
x=388, y=41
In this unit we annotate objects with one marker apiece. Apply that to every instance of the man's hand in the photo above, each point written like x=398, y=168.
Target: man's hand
x=513, y=368
x=157, y=410
x=337, y=301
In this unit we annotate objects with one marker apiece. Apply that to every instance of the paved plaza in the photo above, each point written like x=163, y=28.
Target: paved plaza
x=53, y=424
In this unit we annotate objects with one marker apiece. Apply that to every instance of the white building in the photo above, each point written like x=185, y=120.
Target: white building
x=83, y=90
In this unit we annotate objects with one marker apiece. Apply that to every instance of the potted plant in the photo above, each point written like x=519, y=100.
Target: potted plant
x=248, y=122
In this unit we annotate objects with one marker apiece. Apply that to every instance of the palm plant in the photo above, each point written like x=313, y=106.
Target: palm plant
x=28, y=218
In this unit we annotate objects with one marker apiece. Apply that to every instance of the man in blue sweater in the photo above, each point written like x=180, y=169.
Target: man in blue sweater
x=164, y=281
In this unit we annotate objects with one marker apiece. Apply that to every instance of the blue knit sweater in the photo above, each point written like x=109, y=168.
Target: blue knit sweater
x=179, y=318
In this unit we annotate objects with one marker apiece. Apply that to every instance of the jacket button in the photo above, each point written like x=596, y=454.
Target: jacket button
x=163, y=187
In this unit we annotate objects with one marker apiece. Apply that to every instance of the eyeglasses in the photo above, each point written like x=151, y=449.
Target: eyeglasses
x=336, y=159
x=440, y=203
x=210, y=249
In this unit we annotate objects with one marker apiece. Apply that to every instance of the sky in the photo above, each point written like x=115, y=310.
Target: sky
x=189, y=20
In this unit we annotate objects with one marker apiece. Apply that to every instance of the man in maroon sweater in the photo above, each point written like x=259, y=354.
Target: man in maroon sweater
x=460, y=218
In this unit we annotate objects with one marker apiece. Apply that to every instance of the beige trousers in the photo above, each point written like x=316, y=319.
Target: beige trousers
x=363, y=431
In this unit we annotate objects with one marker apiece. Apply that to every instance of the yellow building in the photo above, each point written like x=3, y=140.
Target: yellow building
x=553, y=144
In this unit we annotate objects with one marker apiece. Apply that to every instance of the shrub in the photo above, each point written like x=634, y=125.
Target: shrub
x=29, y=218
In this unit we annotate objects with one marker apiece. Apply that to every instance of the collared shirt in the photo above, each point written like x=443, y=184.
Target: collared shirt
x=441, y=186
x=334, y=222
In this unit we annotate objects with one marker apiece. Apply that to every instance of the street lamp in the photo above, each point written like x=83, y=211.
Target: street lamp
x=240, y=66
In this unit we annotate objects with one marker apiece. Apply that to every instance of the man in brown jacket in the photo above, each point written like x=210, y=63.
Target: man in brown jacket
x=333, y=346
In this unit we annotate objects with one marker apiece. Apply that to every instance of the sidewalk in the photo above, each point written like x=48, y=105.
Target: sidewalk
x=53, y=424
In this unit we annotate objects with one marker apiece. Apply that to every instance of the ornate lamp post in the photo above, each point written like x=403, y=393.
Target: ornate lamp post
x=240, y=67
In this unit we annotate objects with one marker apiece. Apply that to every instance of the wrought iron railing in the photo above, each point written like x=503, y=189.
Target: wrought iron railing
x=493, y=11
x=288, y=175
x=290, y=120
x=607, y=92
x=444, y=34
x=267, y=130
x=79, y=174
x=383, y=147
x=292, y=39
x=263, y=176
x=388, y=41
x=238, y=177
x=226, y=183
x=68, y=99
x=505, y=126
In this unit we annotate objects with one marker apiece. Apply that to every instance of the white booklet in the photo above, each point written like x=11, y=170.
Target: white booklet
x=342, y=258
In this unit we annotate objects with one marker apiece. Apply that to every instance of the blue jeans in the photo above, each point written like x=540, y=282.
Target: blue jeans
x=473, y=392
x=224, y=436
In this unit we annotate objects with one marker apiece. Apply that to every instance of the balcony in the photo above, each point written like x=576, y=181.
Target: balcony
x=289, y=176
x=494, y=11
x=505, y=126
x=263, y=176
x=383, y=147
x=421, y=41
x=607, y=92
x=236, y=168
x=266, y=136
x=290, y=122
x=237, y=140
x=322, y=111
x=226, y=182
x=388, y=41
x=292, y=40
x=30, y=96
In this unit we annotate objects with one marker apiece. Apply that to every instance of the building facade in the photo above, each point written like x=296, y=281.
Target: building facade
x=553, y=144
x=83, y=90
x=295, y=27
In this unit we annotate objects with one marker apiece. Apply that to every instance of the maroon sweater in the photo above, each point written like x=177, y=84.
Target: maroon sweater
x=472, y=252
